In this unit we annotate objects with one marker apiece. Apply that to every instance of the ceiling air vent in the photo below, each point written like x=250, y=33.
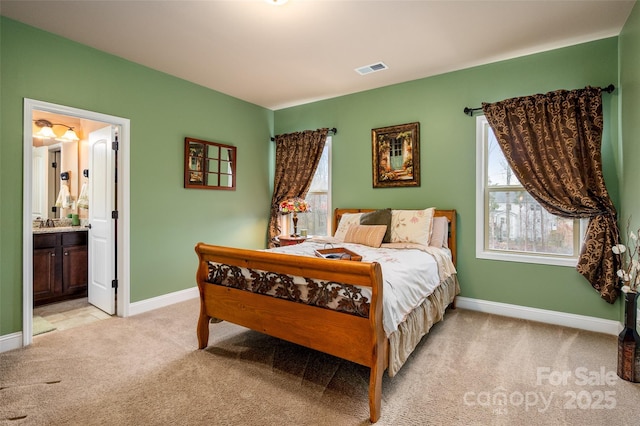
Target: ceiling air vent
x=379, y=66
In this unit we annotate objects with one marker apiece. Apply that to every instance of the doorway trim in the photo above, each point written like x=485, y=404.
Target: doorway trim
x=123, y=232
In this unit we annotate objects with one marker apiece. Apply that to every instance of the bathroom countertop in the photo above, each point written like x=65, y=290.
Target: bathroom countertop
x=78, y=228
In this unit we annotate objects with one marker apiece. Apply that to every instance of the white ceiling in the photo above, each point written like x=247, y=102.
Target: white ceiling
x=307, y=50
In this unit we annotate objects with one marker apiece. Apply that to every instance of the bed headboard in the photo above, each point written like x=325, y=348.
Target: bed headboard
x=449, y=214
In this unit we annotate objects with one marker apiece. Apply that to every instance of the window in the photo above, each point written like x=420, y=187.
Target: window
x=318, y=221
x=510, y=224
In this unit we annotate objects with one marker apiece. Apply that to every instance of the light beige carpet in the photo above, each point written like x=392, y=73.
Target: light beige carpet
x=41, y=325
x=473, y=369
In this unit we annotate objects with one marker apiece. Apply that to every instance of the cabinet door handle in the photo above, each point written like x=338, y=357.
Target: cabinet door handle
x=53, y=255
x=88, y=225
x=66, y=253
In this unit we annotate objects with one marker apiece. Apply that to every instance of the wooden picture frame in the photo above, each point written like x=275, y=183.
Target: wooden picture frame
x=396, y=155
x=209, y=165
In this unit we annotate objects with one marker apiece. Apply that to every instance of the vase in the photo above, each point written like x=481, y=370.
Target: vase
x=629, y=342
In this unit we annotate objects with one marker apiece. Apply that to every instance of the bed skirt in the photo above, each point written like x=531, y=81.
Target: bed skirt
x=418, y=323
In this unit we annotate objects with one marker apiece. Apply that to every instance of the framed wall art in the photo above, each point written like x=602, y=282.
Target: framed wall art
x=209, y=165
x=396, y=155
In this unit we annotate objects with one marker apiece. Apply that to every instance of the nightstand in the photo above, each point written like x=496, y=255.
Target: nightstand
x=286, y=240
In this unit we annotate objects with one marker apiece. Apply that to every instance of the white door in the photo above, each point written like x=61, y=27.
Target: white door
x=102, y=258
x=39, y=201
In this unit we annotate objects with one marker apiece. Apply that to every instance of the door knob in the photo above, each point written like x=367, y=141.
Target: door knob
x=88, y=225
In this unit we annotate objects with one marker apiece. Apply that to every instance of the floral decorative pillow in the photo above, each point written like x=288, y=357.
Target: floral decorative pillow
x=346, y=221
x=412, y=226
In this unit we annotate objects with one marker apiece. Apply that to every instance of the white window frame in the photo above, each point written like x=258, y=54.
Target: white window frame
x=285, y=221
x=482, y=210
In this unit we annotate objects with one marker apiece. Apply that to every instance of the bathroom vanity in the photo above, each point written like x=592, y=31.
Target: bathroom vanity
x=60, y=264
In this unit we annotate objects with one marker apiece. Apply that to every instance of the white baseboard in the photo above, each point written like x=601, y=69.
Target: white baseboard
x=147, y=305
x=11, y=341
x=599, y=325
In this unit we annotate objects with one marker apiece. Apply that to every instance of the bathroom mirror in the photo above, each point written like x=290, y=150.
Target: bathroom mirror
x=56, y=162
x=46, y=182
x=56, y=155
x=209, y=165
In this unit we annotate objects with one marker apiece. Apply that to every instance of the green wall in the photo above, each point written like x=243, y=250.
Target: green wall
x=630, y=107
x=630, y=122
x=166, y=219
x=447, y=156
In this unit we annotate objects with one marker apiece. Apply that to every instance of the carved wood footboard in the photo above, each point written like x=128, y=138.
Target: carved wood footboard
x=355, y=338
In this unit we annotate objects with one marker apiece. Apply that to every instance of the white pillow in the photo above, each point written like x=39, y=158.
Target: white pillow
x=439, y=232
x=345, y=223
x=412, y=226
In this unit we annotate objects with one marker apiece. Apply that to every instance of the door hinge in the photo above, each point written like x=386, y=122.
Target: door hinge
x=54, y=165
x=114, y=145
x=114, y=214
x=114, y=283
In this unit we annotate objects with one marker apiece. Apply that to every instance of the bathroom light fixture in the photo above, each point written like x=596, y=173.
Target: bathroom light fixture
x=69, y=136
x=46, y=131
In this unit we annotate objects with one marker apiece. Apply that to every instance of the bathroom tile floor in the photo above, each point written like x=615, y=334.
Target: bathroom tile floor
x=70, y=313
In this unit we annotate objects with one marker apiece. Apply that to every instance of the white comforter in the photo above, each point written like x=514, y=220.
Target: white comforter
x=410, y=272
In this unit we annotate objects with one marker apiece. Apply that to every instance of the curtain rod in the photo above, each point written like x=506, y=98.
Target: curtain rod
x=469, y=111
x=333, y=130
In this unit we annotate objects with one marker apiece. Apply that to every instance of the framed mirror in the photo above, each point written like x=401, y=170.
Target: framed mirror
x=209, y=165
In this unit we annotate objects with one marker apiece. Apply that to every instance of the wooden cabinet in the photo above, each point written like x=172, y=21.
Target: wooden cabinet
x=60, y=266
x=46, y=277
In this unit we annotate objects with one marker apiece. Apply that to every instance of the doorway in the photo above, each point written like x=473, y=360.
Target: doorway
x=120, y=235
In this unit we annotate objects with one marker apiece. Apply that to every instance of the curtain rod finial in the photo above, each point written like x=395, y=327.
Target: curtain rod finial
x=470, y=111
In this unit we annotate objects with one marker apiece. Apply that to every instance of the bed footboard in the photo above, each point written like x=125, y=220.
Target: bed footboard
x=355, y=338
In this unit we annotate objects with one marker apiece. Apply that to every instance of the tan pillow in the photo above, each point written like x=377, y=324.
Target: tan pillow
x=368, y=235
x=439, y=232
x=346, y=221
x=411, y=226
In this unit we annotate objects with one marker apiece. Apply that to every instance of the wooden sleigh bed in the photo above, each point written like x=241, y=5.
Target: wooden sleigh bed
x=351, y=328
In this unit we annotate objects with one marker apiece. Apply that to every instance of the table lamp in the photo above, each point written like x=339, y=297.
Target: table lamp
x=295, y=206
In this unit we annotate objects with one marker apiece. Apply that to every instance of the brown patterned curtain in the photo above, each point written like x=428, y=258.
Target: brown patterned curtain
x=297, y=158
x=552, y=143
